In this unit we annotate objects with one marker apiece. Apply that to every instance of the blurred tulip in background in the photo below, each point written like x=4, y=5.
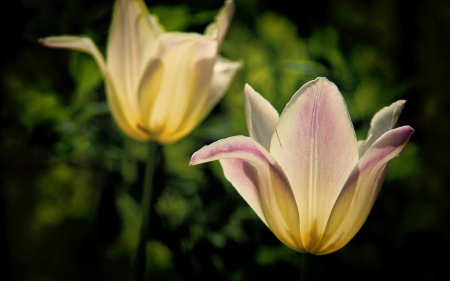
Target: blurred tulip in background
x=159, y=84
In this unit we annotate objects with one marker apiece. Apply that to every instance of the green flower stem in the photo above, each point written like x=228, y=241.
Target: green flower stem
x=306, y=272
x=146, y=203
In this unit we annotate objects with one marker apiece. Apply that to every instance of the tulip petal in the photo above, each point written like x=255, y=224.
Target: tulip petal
x=261, y=117
x=219, y=27
x=130, y=127
x=223, y=74
x=315, y=144
x=131, y=42
x=198, y=108
x=185, y=64
x=361, y=189
x=383, y=121
x=84, y=44
x=260, y=181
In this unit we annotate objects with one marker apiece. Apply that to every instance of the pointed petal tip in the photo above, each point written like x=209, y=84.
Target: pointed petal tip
x=219, y=27
x=319, y=81
x=55, y=41
x=383, y=121
x=408, y=130
x=199, y=156
x=407, y=133
x=404, y=134
x=248, y=90
x=44, y=41
x=228, y=2
x=397, y=137
x=399, y=103
x=322, y=80
x=194, y=159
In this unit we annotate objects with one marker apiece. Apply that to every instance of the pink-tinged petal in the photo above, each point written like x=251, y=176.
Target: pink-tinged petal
x=182, y=68
x=261, y=117
x=260, y=181
x=83, y=44
x=199, y=107
x=243, y=178
x=315, y=144
x=361, y=189
x=383, y=121
x=131, y=42
x=219, y=27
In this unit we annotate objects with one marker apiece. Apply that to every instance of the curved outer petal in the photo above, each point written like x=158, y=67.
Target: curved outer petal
x=131, y=41
x=383, y=121
x=316, y=146
x=115, y=101
x=184, y=63
x=260, y=181
x=222, y=76
x=261, y=117
x=361, y=189
x=219, y=27
x=83, y=44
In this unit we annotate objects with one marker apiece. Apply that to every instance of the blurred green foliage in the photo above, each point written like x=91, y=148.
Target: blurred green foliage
x=71, y=182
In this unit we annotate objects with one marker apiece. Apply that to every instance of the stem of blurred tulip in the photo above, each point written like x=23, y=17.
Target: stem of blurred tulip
x=146, y=203
x=306, y=268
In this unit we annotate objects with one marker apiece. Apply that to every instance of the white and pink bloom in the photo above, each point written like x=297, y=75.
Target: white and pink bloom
x=304, y=173
x=159, y=84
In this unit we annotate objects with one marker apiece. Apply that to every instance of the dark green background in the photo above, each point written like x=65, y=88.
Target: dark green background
x=71, y=180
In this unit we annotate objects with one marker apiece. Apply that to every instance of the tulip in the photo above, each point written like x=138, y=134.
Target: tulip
x=304, y=173
x=159, y=84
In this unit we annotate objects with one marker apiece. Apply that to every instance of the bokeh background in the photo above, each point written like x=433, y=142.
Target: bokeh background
x=71, y=182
